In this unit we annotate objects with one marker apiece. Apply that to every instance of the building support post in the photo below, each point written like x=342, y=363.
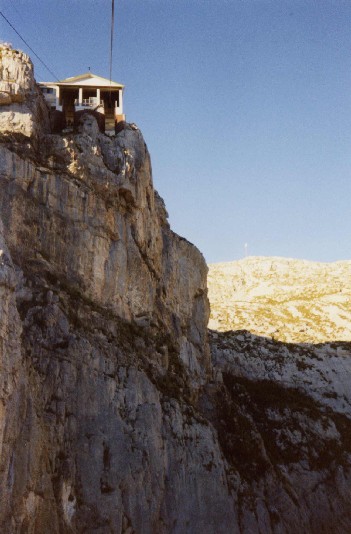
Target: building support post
x=120, y=101
x=98, y=96
x=57, y=90
x=80, y=96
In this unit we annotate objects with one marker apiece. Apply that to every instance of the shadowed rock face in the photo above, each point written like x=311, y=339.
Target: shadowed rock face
x=283, y=419
x=113, y=416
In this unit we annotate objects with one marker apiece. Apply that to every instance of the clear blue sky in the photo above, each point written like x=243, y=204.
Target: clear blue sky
x=245, y=107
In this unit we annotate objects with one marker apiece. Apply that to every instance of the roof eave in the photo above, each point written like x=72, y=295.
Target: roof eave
x=114, y=85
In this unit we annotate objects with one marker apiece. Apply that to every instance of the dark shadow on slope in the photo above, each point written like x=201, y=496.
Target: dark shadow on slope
x=232, y=338
x=264, y=422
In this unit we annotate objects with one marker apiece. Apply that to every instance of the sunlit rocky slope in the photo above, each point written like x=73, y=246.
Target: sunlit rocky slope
x=290, y=300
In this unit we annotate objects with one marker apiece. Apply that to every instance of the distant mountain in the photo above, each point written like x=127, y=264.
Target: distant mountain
x=289, y=300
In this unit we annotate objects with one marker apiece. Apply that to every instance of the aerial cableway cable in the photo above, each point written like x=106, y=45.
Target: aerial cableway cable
x=30, y=48
x=111, y=42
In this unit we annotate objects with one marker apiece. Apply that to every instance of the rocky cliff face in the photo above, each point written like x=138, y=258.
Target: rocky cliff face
x=284, y=423
x=22, y=111
x=114, y=418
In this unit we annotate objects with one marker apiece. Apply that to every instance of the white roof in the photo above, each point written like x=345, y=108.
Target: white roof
x=86, y=80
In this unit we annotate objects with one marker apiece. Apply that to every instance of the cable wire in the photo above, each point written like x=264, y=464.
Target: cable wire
x=30, y=48
x=111, y=44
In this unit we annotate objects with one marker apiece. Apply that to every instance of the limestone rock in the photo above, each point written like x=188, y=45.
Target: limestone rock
x=283, y=418
x=22, y=106
x=98, y=231
x=290, y=300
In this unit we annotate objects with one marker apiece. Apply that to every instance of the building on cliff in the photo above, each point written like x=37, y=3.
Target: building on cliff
x=71, y=97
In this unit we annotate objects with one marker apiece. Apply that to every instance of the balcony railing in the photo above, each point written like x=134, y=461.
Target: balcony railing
x=88, y=102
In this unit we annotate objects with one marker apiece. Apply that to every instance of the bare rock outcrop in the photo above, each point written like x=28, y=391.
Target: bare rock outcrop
x=114, y=416
x=284, y=420
x=290, y=300
x=22, y=111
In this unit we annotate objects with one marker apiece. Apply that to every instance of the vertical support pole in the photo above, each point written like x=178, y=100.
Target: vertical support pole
x=57, y=90
x=98, y=96
x=80, y=96
x=120, y=101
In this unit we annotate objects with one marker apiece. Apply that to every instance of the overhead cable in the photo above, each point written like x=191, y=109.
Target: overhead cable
x=111, y=44
x=30, y=48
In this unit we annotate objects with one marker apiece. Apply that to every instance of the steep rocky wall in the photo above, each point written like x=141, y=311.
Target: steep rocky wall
x=84, y=212
x=22, y=111
x=283, y=418
x=104, y=313
x=113, y=417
